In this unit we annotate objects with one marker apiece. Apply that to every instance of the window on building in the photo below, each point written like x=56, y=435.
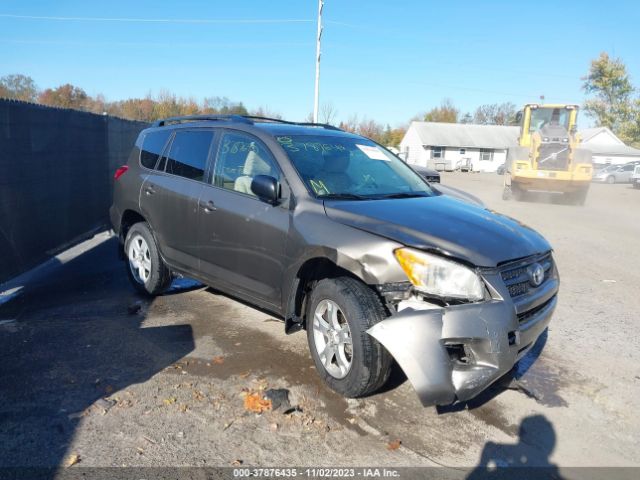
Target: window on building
x=486, y=154
x=188, y=153
x=152, y=146
x=437, y=152
x=463, y=151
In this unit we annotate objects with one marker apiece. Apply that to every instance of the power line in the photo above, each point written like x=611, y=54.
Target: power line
x=155, y=44
x=158, y=20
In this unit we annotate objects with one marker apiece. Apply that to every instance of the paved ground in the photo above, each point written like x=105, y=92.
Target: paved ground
x=89, y=369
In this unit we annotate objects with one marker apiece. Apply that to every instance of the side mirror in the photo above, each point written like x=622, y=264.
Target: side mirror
x=265, y=188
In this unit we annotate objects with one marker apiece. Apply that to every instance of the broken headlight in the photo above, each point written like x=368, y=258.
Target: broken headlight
x=434, y=275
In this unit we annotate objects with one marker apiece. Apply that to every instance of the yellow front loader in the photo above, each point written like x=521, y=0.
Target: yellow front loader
x=548, y=157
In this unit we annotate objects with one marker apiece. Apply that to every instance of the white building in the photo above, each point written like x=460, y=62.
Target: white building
x=447, y=146
x=607, y=148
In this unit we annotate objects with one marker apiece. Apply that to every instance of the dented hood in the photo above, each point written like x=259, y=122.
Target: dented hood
x=441, y=223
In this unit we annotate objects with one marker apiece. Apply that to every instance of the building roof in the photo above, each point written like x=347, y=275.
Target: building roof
x=588, y=134
x=611, y=150
x=465, y=135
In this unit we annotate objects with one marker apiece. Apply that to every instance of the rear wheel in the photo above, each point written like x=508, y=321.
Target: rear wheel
x=146, y=269
x=580, y=196
x=347, y=358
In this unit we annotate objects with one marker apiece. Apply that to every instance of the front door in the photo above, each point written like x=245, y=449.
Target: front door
x=242, y=239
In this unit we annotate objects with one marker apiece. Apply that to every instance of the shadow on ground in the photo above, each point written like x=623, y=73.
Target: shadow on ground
x=75, y=337
x=526, y=459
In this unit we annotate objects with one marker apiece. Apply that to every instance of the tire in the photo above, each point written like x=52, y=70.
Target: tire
x=369, y=363
x=516, y=192
x=611, y=179
x=580, y=197
x=140, y=244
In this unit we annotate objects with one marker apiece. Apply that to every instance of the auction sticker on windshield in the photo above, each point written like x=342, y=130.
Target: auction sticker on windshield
x=373, y=152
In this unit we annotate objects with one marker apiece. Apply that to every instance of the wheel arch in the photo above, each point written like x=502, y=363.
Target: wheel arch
x=308, y=273
x=128, y=219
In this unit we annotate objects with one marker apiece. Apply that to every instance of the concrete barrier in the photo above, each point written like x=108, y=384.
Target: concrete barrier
x=56, y=175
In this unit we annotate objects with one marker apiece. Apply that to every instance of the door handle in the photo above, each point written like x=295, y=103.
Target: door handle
x=149, y=190
x=208, y=207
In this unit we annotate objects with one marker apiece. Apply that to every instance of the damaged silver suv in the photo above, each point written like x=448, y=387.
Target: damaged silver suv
x=338, y=236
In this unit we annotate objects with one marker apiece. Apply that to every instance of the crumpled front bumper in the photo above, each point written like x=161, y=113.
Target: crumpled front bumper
x=453, y=353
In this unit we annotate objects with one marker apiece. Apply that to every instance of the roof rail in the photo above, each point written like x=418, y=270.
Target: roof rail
x=286, y=122
x=247, y=119
x=198, y=118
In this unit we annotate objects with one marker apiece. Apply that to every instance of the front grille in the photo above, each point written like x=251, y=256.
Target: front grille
x=553, y=156
x=525, y=316
x=516, y=276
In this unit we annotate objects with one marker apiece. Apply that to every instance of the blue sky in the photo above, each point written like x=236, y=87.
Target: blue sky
x=381, y=59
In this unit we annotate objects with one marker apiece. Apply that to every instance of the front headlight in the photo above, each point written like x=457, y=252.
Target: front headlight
x=436, y=276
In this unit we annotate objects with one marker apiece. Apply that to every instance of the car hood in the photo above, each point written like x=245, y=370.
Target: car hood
x=440, y=223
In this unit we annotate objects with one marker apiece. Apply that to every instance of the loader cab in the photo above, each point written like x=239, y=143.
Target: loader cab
x=549, y=121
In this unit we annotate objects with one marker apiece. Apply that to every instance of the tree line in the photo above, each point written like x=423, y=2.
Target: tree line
x=613, y=103
x=147, y=109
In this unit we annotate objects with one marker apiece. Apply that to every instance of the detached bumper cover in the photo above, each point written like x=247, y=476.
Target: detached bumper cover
x=494, y=334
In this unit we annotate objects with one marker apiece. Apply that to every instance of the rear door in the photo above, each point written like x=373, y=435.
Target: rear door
x=242, y=239
x=626, y=173
x=169, y=196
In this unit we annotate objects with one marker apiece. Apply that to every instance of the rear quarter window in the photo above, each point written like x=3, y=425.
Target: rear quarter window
x=152, y=145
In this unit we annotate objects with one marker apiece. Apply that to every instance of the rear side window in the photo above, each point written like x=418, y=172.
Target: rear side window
x=188, y=153
x=152, y=146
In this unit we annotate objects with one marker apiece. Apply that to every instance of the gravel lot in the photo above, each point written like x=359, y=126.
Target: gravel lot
x=89, y=372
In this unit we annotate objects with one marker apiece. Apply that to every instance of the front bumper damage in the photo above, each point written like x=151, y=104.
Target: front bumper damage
x=455, y=352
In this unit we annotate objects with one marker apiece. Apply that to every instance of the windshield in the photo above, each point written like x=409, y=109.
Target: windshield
x=542, y=117
x=354, y=168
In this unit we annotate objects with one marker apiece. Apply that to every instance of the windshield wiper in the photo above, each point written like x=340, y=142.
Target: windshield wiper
x=404, y=195
x=344, y=196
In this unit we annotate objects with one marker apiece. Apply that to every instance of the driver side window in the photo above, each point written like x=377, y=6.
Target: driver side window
x=240, y=158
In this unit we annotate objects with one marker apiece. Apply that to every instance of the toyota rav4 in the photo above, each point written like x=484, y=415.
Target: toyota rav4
x=337, y=236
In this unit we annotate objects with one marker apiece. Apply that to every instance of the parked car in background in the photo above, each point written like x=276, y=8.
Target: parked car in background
x=500, y=170
x=616, y=173
x=427, y=173
x=337, y=236
x=635, y=178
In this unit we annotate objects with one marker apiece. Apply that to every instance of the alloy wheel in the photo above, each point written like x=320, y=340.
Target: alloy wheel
x=139, y=259
x=332, y=338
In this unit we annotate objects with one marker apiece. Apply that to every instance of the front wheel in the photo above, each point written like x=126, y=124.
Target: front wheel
x=145, y=267
x=347, y=358
x=611, y=179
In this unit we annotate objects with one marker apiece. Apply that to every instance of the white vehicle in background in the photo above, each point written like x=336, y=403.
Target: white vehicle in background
x=635, y=178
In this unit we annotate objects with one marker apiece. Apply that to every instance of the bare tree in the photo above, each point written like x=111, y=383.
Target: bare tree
x=328, y=113
x=266, y=112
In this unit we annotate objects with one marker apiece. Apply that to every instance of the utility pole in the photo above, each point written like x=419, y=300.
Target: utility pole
x=317, y=90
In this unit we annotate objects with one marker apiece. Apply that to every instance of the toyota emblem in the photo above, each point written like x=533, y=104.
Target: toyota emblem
x=536, y=274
